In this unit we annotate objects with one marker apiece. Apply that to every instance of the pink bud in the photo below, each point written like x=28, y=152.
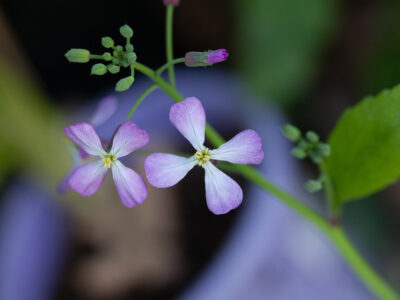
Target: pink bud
x=217, y=56
x=172, y=2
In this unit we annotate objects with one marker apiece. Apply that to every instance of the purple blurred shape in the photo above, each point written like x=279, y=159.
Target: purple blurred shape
x=33, y=241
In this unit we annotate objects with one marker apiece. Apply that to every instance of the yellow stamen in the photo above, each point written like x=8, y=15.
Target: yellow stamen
x=108, y=159
x=202, y=156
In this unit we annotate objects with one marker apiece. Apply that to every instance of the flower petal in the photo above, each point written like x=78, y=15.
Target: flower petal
x=222, y=192
x=105, y=109
x=84, y=135
x=132, y=189
x=189, y=118
x=165, y=170
x=243, y=148
x=128, y=138
x=87, y=179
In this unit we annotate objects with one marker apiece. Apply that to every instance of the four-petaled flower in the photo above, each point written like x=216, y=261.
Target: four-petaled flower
x=222, y=192
x=87, y=178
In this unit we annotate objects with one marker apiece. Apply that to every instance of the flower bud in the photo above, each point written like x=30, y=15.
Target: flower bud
x=129, y=48
x=99, y=69
x=299, y=153
x=78, y=55
x=313, y=185
x=107, y=42
x=126, y=31
x=324, y=149
x=124, y=84
x=131, y=57
x=208, y=58
x=291, y=132
x=107, y=56
x=171, y=2
x=113, y=69
x=312, y=136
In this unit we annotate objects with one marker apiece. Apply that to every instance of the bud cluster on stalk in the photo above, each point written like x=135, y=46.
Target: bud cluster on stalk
x=119, y=56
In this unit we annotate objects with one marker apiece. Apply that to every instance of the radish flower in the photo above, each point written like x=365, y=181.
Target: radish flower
x=222, y=192
x=87, y=178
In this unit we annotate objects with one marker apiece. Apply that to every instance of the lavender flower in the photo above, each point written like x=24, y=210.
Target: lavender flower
x=222, y=192
x=208, y=58
x=87, y=178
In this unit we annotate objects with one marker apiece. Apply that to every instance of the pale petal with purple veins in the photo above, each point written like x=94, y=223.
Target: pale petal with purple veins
x=189, y=118
x=84, y=135
x=105, y=109
x=222, y=192
x=243, y=148
x=87, y=179
x=128, y=138
x=165, y=170
x=132, y=189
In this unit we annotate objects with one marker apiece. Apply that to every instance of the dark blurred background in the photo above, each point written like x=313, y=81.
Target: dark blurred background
x=311, y=58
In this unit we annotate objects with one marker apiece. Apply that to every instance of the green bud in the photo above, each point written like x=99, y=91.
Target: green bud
x=126, y=31
x=131, y=57
x=99, y=69
x=299, y=153
x=119, y=48
x=312, y=136
x=113, y=69
x=303, y=144
x=107, y=42
x=129, y=48
x=316, y=158
x=115, y=61
x=291, y=132
x=313, y=186
x=107, y=56
x=78, y=55
x=324, y=149
x=125, y=63
x=124, y=84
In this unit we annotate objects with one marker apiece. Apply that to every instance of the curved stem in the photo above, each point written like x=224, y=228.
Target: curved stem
x=373, y=281
x=168, y=64
x=140, y=99
x=168, y=42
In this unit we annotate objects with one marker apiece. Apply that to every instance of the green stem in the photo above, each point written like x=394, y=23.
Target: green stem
x=373, y=281
x=168, y=64
x=168, y=42
x=140, y=99
x=96, y=56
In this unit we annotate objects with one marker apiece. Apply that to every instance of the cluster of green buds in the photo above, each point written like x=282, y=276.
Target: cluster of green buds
x=308, y=146
x=119, y=57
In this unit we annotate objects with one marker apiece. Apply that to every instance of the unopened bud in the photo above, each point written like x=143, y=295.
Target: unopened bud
x=107, y=42
x=124, y=84
x=313, y=185
x=312, y=136
x=324, y=149
x=78, y=55
x=126, y=31
x=131, y=57
x=107, y=56
x=208, y=58
x=113, y=69
x=99, y=69
x=129, y=48
x=299, y=153
x=291, y=132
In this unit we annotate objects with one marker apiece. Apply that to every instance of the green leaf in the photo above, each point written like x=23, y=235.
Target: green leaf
x=365, y=147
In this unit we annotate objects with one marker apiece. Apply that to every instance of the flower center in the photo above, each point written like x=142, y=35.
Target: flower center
x=108, y=159
x=202, y=156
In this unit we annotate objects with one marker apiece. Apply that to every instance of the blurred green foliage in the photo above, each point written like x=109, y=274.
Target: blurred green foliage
x=31, y=136
x=365, y=147
x=280, y=42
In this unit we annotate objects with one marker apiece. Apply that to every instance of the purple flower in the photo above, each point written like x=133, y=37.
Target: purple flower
x=222, y=192
x=208, y=58
x=105, y=109
x=87, y=178
x=172, y=2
